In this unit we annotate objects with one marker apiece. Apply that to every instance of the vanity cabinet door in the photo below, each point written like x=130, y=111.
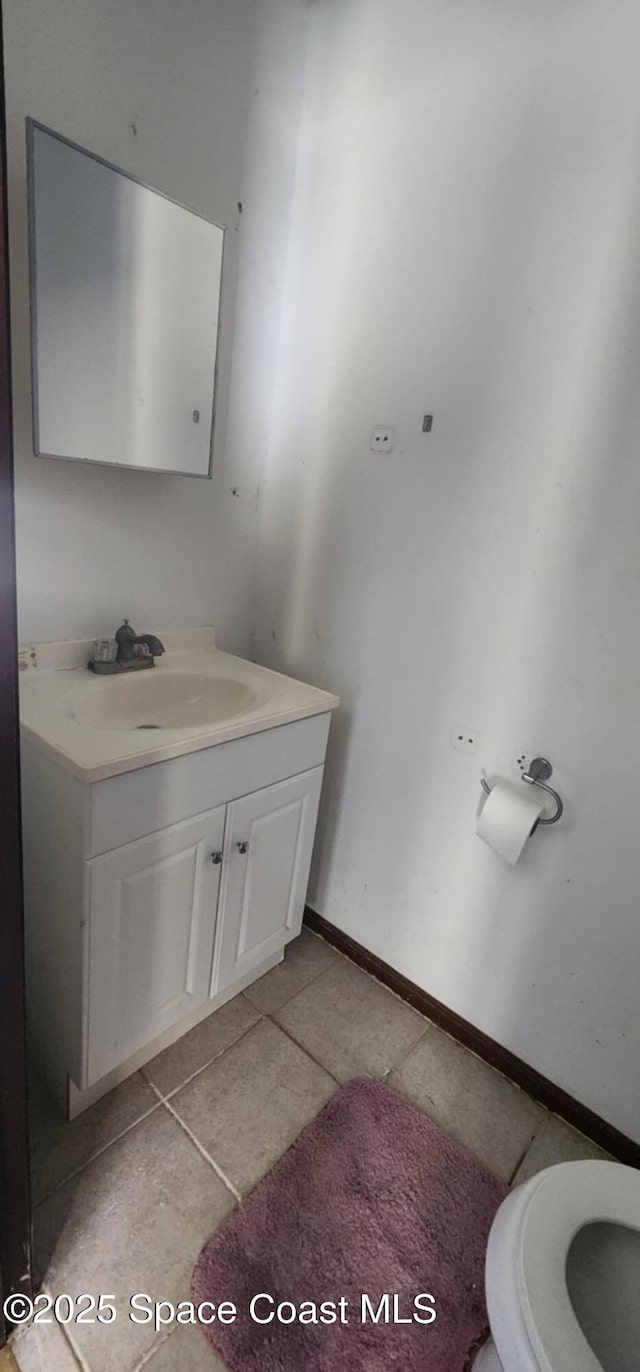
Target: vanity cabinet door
x=153, y=908
x=268, y=843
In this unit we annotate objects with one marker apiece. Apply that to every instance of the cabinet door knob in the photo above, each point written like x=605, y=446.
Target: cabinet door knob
x=243, y=847
x=216, y=859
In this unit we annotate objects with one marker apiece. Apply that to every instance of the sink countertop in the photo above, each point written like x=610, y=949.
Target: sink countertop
x=57, y=673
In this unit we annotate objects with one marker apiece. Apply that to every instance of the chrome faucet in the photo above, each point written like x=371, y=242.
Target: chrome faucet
x=133, y=652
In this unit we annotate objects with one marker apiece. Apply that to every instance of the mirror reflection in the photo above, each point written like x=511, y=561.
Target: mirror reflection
x=125, y=296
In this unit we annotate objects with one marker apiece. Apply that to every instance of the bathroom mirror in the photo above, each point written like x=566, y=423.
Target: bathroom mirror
x=125, y=297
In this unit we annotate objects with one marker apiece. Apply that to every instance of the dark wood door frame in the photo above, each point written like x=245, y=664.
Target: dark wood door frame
x=15, y=1225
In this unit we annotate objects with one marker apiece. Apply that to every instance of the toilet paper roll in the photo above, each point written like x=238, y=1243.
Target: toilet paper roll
x=507, y=819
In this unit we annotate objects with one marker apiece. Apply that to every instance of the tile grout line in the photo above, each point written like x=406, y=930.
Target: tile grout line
x=196, y=1143
x=470, y=1052
x=81, y=1361
x=301, y=989
x=151, y=1352
x=397, y=1065
x=160, y=1100
x=306, y=1052
x=262, y=1015
x=187, y=1081
x=303, y=1049
x=529, y=1145
x=98, y=1154
x=497, y=1071
x=345, y=958
x=429, y=1098
x=266, y=1014
x=430, y=1025
x=367, y=973
x=163, y=1099
x=77, y=1356
x=75, y=1351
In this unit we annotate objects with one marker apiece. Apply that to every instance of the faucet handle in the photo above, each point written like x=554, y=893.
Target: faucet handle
x=125, y=638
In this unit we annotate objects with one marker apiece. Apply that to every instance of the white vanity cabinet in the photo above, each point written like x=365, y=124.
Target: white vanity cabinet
x=152, y=923
x=155, y=895
x=267, y=852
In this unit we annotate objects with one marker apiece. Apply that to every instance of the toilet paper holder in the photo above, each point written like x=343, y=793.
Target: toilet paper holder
x=537, y=774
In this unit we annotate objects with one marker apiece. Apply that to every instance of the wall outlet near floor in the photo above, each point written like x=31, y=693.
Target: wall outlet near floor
x=465, y=740
x=382, y=439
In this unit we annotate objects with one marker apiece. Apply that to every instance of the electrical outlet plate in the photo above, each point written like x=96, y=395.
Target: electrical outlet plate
x=465, y=740
x=382, y=439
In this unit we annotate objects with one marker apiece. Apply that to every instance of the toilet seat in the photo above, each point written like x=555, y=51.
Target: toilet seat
x=560, y=1202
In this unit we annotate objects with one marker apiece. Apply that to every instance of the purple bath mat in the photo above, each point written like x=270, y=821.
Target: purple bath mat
x=373, y=1200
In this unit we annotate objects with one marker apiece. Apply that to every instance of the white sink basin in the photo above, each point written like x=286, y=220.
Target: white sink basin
x=195, y=697
x=159, y=699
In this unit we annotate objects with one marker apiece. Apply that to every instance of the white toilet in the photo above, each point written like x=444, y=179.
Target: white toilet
x=563, y=1273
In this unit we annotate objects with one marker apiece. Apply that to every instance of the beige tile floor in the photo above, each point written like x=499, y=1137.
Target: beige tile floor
x=127, y=1194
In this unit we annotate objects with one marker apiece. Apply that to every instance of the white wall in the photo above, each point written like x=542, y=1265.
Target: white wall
x=465, y=242
x=200, y=100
